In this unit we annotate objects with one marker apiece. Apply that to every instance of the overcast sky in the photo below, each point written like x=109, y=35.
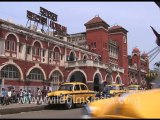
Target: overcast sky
x=136, y=17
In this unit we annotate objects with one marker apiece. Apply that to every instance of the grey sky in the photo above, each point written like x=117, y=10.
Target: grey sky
x=136, y=17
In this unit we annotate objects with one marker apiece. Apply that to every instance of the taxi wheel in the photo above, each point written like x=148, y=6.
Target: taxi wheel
x=119, y=95
x=114, y=94
x=90, y=99
x=69, y=103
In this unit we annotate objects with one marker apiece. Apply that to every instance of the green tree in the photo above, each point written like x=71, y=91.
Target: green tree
x=153, y=75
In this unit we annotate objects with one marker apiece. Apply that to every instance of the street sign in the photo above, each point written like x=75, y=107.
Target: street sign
x=0, y=81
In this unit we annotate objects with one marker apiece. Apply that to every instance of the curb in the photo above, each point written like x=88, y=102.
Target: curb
x=21, y=109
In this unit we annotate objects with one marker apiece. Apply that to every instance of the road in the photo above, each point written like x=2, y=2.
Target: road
x=48, y=113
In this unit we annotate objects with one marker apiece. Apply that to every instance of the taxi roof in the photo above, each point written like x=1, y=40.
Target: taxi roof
x=73, y=83
x=114, y=84
x=134, y=86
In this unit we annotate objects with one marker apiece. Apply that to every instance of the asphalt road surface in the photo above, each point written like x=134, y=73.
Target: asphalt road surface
x=48, y=113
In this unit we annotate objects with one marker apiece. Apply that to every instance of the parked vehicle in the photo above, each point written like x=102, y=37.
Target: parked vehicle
x=116, y=89
x=133, y=88
x=71, y=93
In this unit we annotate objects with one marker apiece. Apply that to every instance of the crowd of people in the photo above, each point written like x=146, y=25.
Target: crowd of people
x=9, y=96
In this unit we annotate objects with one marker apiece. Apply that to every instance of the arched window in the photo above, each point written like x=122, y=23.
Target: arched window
x=72, y=56
x=85, y=57
x=10, y=43
x=36, y=49
x=56, y=77
x=124, y=39
x=56, y=54
x=10, y=71
x=56, y=80
x=96, y=59
x=36, y=74
x=118, y=80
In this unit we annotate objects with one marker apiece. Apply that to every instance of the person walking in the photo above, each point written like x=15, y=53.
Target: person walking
x=25, y=96
x=29, y=96
x=4, y=96
x=44, y=94
x=39, y=96
x=21, y=96
x=106, y=91
x=13, y=96
x=9, y=96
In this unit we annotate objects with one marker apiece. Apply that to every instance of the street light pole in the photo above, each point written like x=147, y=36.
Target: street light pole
x=26, y=77
x=109, y=71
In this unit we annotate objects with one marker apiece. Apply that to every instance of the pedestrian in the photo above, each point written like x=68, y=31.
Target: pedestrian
x=29, y=96
x=13, y=96
x=106, y=91
x=21, y=96
x=44, y=94
x=39, y=96
x=25, y=96
x=9, y=96
x=4, y=96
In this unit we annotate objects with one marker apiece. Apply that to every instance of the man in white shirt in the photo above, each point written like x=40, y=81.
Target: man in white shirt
x=9, y=96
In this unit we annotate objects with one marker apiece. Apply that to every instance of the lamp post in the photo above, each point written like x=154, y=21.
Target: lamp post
x=109, y=71
x=27, y=82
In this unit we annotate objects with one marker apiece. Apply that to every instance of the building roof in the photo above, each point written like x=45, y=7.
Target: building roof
x=117, y=27
x=144, y=54
x=94, y=20
x=135, y=50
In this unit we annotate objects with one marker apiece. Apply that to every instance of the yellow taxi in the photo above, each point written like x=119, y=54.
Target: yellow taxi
x=141, y=104
x=116, y=89
x=71, y=93
x=133, y=88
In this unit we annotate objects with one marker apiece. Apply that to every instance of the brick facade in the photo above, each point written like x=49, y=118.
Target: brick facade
x=49, y=54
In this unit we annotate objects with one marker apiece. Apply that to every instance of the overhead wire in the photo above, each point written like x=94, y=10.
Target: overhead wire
x=153, y=53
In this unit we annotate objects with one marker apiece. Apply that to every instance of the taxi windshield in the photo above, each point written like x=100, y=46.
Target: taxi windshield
x=114, y=87
x=68, y=87
x=133, y=88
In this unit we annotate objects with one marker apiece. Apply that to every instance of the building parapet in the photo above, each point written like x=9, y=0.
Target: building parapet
x=132, y=67
x=144, y=71
x=119, y=69
x=85, y=63
x=91, y=63
x=143, y=60
x=113, y=56
x=41, y=36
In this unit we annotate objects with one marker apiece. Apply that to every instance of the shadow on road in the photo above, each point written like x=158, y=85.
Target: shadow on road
x=60, y=107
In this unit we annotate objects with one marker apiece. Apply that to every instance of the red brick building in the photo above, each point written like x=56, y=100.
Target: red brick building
x=31, y=59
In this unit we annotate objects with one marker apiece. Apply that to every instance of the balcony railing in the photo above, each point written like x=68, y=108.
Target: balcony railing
x=91, y=63
x=143, y=60
x=119, y=69
x=142, y=70
x=131, y=67
x=82, y=63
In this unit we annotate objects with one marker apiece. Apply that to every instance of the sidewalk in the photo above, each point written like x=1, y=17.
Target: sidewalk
x=17, y=108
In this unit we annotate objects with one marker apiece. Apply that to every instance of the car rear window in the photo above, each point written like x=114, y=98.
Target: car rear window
x=83, y=87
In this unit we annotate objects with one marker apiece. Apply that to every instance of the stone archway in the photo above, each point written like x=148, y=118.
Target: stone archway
x=109, y=79
x=97, y=82
x=56, y=79
x=118, y=80
x=77, y=76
